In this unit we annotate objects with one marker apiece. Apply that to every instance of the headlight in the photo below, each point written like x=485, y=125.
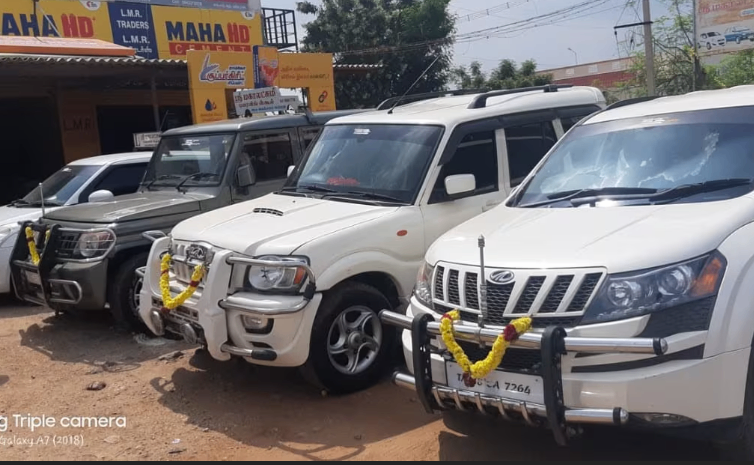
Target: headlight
x=95, y=244
x=423, y=287
x=278, y=278
x=634, y=294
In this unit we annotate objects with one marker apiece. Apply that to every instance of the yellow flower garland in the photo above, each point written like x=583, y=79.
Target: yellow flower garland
x=169, y=302
x=32, y=246
x=482, y=368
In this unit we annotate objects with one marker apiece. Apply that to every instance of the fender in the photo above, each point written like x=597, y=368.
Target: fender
x=732, y=326
x=402, y=272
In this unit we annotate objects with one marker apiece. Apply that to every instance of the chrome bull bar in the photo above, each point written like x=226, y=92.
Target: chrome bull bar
x=553, y=343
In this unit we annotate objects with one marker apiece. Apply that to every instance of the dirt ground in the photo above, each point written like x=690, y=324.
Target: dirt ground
x=194, y=408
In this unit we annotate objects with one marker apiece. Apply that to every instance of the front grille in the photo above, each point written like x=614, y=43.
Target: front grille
x=182, y=271
x=67, y=244
x=550, y=297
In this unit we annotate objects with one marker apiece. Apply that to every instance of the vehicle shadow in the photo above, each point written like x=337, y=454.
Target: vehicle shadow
x=489, y=439
x=3, y=379
x=10, y=307
x=92, y=340
x=275, y=408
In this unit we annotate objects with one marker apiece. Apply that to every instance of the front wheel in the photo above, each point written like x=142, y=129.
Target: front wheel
x=125, y=291
x=350, y=347
x=742, y=447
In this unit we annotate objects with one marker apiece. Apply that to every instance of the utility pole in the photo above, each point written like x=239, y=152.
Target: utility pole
x=649, y=49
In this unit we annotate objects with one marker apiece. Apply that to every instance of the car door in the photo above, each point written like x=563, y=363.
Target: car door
x=120, y=179
x=525, y=146
x=269, y=153
x=479, y=152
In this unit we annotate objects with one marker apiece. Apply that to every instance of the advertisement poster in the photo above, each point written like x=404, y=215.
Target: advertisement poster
x=724, y=26
x=153, y=31
x=210, y=75
x=266, y=66
x=238, y=5
x=249, y=102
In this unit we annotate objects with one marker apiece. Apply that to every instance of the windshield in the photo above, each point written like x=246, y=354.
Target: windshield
x=60, y=187
x=385, y=160
x=199, y=160
x=650, y=155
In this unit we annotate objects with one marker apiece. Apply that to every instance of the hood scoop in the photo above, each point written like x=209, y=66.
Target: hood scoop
x=268, y=211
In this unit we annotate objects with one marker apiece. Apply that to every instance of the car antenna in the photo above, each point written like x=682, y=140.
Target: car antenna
x=390, y=111
x=42, y=197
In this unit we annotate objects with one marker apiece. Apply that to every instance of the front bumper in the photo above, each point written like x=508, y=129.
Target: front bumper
x=55, y=283
x=5, y=282
x=553, y=343
x=213, y=318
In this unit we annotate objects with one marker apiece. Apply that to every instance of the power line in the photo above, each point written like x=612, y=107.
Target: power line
x=482, y=34
x=474, y=15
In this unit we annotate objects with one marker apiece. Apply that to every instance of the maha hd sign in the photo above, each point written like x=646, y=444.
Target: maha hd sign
x=149, y=27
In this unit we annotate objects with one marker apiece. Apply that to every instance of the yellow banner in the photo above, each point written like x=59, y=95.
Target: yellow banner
x=72, y=19
x=210, y=75
x=181, y=29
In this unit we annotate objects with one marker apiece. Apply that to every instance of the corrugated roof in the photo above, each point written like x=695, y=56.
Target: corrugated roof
x=124, y=61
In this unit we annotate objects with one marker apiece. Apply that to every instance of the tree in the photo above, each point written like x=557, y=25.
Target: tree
x=736, y=69
x=404, y=36
x=505, y=76
x=678, y=69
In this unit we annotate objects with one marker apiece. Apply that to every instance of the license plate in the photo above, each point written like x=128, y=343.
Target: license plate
x=512, y=386
x=33, y=278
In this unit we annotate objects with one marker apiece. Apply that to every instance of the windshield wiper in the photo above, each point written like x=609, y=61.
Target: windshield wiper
x=373, y=196
x=161, y=178
x=194, y=176
x=309, y=187
x=589, y=195
x=19, y=202
x=687, y=190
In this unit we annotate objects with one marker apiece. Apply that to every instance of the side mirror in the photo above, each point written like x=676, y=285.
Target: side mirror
x=246, y=176
x=290, y=170
x=100, y=196
x=460, y=184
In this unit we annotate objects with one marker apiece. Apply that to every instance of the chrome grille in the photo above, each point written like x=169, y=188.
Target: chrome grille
x=182, y=271
x=550, y=294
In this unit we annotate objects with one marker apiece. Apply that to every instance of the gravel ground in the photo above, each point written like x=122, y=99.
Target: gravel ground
x=109, y=396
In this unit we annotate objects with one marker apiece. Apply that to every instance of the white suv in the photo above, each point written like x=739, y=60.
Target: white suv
x=630, y=247
x=298, y=277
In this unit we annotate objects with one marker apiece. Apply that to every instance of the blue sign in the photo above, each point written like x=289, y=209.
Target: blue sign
x=133, y=27
x=237, y=5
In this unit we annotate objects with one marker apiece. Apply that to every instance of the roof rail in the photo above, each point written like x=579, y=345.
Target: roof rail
x=425, y=96
x=481, y=100
x=307, y=112
x=630, y=101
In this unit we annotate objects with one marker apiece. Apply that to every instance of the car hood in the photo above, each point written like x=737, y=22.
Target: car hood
x=619, y=238
x=12, y=215
x=274, y=224
x=130, y=207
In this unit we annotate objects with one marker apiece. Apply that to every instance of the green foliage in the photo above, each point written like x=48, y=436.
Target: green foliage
x=393, y=27
x=736, y=70
x=505, y=76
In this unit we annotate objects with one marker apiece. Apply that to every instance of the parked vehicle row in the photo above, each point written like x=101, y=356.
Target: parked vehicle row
x=534, y=253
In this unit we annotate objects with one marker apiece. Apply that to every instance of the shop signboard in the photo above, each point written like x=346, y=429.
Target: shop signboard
x=211, y=74
x=249, y=102
x=237, y=5
x=146, y=140
x=312, y=71
x=724, y=27
x=154, y=31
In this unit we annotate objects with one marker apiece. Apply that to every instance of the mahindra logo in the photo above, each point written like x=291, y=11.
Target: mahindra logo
x=196, y=252
x=502, y=277
x=235, y=75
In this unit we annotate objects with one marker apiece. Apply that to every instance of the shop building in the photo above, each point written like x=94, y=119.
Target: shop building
x=79, y=78
x=610, y=76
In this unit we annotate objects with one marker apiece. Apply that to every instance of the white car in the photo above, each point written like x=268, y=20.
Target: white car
x=297, y=277
x=630, y=247
x=88, y=179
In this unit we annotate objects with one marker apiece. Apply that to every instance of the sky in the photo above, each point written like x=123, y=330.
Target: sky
x=563, y=39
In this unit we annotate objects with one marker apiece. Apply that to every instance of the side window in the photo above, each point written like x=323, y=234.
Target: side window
x=527, y=145
x=270, y=155
x=123, y=179
x=309, y=134
x=477, y=155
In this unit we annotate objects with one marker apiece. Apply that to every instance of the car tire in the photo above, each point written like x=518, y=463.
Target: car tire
x=347, y=314
x=738, y=40
x=709, y=46
x=124, y=294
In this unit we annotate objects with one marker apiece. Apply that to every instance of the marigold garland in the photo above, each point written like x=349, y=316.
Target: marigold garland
x=32, y=246
x=482, y=368
x=171, y=303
